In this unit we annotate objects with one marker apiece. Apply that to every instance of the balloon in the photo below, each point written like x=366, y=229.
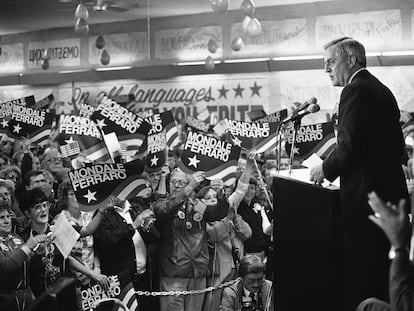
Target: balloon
x=219, y=5
x=237, y=44
x=81, y=12
x=254, y=28
x=209, y=65
x=248, y=7
x=100, y=42
x=245, y=23
x=105, y=58
x=212, y=46
x=81, y=26
x=46, y=54
x=45, y=64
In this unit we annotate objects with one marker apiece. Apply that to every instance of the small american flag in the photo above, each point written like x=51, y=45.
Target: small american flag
x=70, y=149
x=221, y=127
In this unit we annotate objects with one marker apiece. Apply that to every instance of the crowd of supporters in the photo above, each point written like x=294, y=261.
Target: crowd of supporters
x=185, y=233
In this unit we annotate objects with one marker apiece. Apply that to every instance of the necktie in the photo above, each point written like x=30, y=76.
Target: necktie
x=254, y=302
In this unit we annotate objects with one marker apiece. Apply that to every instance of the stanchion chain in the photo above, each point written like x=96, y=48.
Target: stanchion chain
x=187, y=292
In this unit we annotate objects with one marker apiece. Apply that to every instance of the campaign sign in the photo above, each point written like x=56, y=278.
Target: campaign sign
x=27, y=122
x=316, y=138
x=216, y=157
x=79, y=135
x=258, y=136
x=130, y=128
x=95, y=183
x=193, y=124
x=120, y=287
x=163, y=134
x=277, y=117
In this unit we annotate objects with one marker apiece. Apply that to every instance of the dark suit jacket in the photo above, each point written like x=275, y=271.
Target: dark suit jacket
x=367, y=157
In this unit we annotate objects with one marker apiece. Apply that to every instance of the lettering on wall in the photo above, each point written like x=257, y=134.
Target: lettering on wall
x=11, y=58
x=63, y=53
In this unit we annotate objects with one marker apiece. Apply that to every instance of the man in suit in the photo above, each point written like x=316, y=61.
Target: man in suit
x=253, y=292
x=368, y=157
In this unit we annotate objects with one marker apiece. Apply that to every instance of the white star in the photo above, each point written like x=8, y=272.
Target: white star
x=295, y=150
x=237, y=141
x=100, y=123
x=17, y=128
x=4, y=123
x=193, y=161
x=70, y=140
x=154, y=160
x=90, y=196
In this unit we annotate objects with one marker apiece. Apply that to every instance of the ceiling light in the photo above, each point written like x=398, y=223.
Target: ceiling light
x=246, y=60
x=113, y=68
x=100, y=6
x=398, y=53
x=73, y=71
x=297, y=57
x=200, y=62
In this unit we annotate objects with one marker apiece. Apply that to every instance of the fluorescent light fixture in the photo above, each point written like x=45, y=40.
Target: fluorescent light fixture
x=246, y=60
x=73, y=71
x=113, y=68
x=198, y=62
x=398, y=53
x=372, y=54
x=297, y=57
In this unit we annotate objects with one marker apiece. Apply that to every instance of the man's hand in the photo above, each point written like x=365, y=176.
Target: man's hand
x=393, y=220
x=197, y=179
x=317, y=175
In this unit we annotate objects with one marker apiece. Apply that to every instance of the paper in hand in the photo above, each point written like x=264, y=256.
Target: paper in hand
x=65, y=236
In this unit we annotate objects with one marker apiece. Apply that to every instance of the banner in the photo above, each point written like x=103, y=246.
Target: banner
x=216, y=157
x=11, y=58
x=277, y=117
x=94, y=184
x=120, y=287
x=44, y=103
x=315, y=138
x=78, y=135
x=162, y=135
x=130, y=128
x=194, y=124
x=27, y=122
x=258, y=136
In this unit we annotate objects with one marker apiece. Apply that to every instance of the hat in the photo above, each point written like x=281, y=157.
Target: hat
x=50, y=154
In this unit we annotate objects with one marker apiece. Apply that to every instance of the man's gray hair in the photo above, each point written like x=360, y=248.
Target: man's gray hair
x=346, y=47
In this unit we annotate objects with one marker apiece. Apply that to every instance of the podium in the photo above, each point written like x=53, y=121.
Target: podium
x=308, y=246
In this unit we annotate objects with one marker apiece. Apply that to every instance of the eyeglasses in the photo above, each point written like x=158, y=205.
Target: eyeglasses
x=42, y=205
x=55, y=160
x=179, y=183
x=254, y=280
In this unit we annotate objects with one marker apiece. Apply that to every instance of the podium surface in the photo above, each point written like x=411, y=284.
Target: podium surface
x=308, y=246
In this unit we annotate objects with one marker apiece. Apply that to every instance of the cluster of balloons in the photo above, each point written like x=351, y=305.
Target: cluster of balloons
x=100, y=44
x=81, y=16
x=250, y=26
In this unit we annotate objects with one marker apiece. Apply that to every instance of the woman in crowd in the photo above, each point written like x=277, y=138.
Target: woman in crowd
x=226, y=235
x=14, y=257
x=48, y=265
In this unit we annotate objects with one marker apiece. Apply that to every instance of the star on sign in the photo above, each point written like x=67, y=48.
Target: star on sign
x=4, y=123
x=295, y=150
x=17, y=128
x=100, y=123
x=154, y=160
x=70, y=140
x=237, y=141
x=223, y=92
x=238, y=91
x=90, y=196
x=255, y=89
x=193, y=161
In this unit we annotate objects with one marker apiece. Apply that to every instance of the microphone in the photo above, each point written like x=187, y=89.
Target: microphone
x=311, y=108
x=306, y=104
